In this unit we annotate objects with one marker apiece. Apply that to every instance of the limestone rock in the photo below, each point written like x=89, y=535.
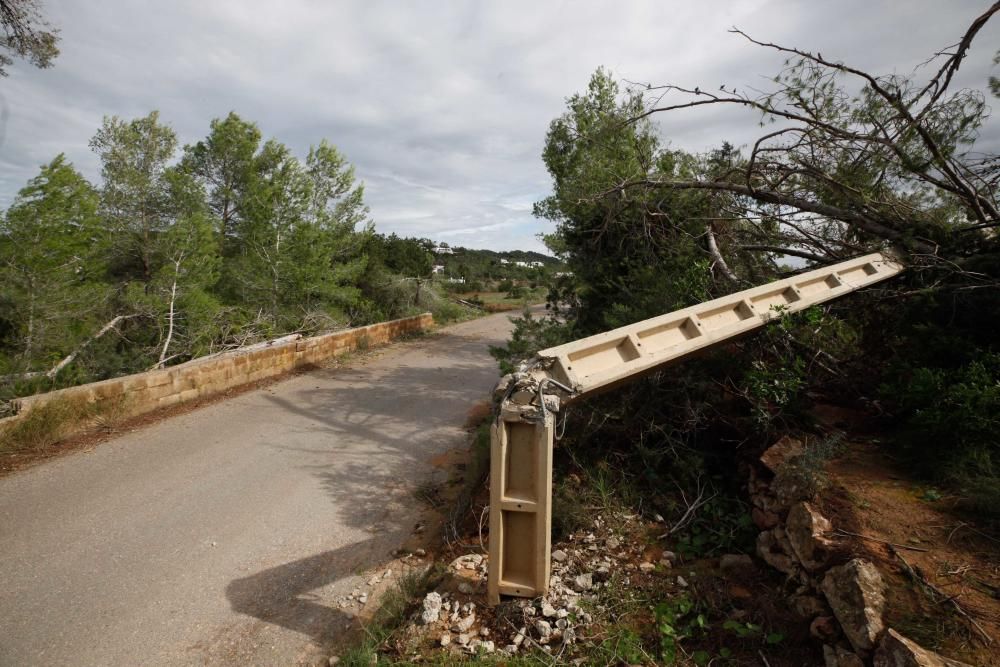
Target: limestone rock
x=543, y=628
x=770, y=551
x=465, y=623
x=584, y=582
x=735, y=563
x=807, y=530
x=856, y=594
x=838, y=656
x=763, y=519
x=824, y=628
x=809, y=606
x=781, y=452
x=559, y=555
x=895, y=650
x=432, y=608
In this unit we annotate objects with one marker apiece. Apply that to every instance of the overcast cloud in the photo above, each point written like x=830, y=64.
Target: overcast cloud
x=442, y=106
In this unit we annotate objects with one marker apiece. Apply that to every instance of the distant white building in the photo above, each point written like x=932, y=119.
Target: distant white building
x=443, y=250
x=522, y=264
x=504, y=261
x=536, y=265
x=439, y=268
x=460, y=281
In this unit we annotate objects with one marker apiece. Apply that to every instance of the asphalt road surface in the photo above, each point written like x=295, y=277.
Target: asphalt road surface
x=226, y=535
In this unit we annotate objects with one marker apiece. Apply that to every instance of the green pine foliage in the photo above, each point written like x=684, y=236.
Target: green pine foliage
x=189, y=251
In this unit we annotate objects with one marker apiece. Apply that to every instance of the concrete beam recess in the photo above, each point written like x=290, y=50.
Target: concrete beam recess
x=522, y=436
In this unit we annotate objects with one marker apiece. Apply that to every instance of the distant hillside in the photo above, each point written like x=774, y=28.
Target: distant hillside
x=473, y=264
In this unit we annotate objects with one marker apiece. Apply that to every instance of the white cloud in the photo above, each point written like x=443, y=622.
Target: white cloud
x=442, y=106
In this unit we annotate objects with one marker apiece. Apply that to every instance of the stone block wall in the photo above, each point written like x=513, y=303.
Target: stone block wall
x=142, y=393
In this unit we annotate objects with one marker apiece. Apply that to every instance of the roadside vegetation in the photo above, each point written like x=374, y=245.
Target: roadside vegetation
x=185, y=251
x=848, y=163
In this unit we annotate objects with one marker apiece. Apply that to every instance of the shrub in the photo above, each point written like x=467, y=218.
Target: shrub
x=950, y=418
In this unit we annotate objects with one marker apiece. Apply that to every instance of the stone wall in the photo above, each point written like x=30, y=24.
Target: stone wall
x=142, y=393
x=844, y=598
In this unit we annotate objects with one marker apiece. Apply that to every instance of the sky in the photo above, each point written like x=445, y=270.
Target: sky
x=443, y=105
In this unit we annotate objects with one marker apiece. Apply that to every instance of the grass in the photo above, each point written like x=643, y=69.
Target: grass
x=472, y=479
x=497, y=302
x=393, y=614
x=54, y=420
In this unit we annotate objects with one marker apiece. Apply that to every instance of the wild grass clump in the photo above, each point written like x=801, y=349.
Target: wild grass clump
x=394, y=611
x=45, y=425
x=55, y=420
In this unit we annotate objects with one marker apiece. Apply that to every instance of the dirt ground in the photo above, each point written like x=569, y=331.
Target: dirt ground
x=943, y=566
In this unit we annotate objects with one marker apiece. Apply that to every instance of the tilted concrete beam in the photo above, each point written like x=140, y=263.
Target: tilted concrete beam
x=522, y=436
x=607, y=358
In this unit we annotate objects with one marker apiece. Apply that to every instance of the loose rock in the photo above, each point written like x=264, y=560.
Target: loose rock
x=432, y=608
x=838, y=656
x=895, y=650
x=806, y=530
x=781, y=452
x=584, y=582
x=730, y=563
x=856, y=593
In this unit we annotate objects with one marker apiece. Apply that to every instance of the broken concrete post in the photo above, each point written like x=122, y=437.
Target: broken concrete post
x=520, y=501
x=522, y=437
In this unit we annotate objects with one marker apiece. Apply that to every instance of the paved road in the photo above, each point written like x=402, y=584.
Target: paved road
x=225, y=535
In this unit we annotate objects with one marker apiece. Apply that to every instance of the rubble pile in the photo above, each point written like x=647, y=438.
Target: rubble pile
x=844, y=603
x=582, y=568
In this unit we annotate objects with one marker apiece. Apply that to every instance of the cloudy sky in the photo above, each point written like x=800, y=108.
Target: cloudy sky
x=442, y=106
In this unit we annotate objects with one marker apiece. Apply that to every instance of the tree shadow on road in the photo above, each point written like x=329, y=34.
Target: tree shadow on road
x=288, y=595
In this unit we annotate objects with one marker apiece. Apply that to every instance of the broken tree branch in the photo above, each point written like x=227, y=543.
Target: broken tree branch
x=941, y=595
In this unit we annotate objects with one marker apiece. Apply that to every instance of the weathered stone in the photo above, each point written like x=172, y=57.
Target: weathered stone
x=559, y=555
x=763, y=519
x=781, y=452
x=647, y=567
x=467, y=562
x=895, y=650
x=583, y=582
x=543, y=628
x=548, y=610
x=856, y=594
x=522, y=397
x=790, y=486
x=809, y=606
x=432, y=608
x=806, y=530
x=502, y=386
x=824, y=628
x=445, y=639
x=730, y=563
x=838, y=656
x=612, y=543
x=770, y=552
x=465, y=623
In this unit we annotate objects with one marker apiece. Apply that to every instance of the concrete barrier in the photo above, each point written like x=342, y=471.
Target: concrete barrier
x=138, y=394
